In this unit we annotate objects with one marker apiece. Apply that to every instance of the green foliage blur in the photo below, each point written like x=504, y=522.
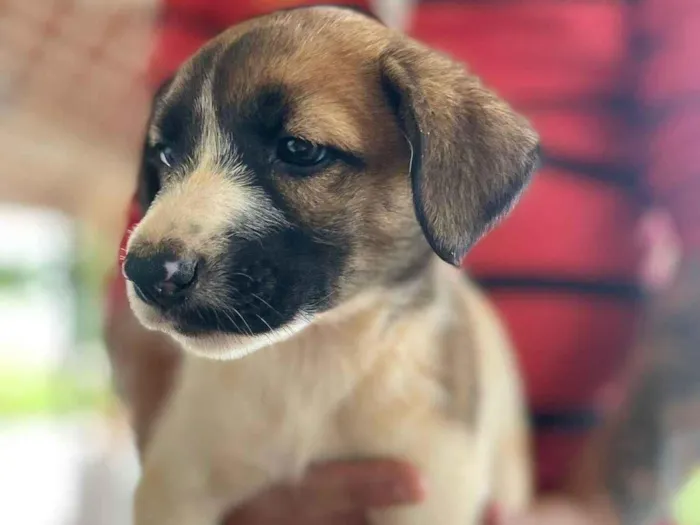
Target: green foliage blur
x=77, y=387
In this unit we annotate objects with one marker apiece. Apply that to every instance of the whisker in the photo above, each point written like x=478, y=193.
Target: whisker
x=265, y=322
x=268, y=336
x=315, y=305
x=200, y=315
x=235, y=324
x=235, y=311
x=243, y=275
x=286, y=328
x=250, y=330
x=263, y=301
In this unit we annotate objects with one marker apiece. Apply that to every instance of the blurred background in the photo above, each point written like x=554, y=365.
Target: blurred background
x=72, y=106
x=73, y=102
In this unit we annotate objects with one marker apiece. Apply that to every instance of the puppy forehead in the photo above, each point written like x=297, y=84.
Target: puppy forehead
x=315, y=61
x=314, y=49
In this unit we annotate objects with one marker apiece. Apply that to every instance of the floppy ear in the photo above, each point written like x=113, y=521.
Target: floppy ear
x=471, y=154
x=148, y=182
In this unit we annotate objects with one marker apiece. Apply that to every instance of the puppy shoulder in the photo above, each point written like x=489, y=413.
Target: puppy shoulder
x=478, y=355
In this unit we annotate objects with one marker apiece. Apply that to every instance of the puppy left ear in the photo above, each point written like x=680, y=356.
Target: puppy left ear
x=471, y=154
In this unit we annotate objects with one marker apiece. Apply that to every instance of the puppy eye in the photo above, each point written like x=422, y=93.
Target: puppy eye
x=165, y=155
x=301, y=153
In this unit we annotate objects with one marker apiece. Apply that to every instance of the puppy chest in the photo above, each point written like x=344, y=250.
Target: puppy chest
x=284, y=407
x=263, y=412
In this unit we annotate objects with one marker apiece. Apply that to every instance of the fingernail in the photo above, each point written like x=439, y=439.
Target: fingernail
x=493, y=515
x=422, y=486
x=409, y=492
x=402, y=494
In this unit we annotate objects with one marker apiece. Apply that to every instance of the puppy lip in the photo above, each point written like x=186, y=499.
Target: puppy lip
x=172, y=320
x=142, y=295
x=192, y=332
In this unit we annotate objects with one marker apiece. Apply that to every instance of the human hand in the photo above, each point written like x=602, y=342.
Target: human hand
x=557, y=510
x=144, y=364
x=338, y=493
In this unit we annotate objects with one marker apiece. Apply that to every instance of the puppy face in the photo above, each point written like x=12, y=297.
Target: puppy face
x=305, y=156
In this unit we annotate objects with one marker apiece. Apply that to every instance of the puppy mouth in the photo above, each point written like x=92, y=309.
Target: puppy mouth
x=239, y=315
x=194, y=331
x=253, y=289
x=143, y=295
x=192, y=327
x=203, y=321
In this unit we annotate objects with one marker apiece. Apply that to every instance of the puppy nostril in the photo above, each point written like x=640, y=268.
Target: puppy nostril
x=179, y=275
x=160, y=279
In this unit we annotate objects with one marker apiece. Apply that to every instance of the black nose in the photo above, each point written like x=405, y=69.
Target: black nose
x=160, y=279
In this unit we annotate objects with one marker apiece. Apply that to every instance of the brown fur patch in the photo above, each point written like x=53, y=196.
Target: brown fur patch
x=472, y=154
x=371, y=345
x=430, y=157
x=332, y=85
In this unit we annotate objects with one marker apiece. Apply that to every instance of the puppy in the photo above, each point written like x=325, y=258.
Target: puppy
x=312, y=179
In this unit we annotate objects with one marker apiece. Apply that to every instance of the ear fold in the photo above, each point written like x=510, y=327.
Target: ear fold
x=472, y=155
x=148, y=182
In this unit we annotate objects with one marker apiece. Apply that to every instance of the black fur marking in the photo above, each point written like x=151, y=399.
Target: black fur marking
x=148, y=181
x=267, y=113
x=262, y=286
x=179, y=128
x=148, y=184
x=256, y=285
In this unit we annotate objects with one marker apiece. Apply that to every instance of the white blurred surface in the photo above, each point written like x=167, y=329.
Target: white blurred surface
x=64, y=471
x=36, y=241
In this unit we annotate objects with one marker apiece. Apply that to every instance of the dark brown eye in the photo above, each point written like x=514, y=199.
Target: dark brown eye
x=301, y=153
x=166, y=155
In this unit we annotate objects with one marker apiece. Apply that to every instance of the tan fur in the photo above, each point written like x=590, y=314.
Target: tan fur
x=198, y=208
x=412, y=366
x=359, y=382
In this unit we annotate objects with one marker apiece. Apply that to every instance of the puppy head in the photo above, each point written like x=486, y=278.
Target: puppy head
x=305, y=156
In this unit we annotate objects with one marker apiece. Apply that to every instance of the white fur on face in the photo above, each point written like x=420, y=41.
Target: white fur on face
x=227, y=347
x=206, y=199
x=212, y=195
x=171, y=268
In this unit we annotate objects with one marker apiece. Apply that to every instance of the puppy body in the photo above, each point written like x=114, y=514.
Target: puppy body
x=429, y=379
x=300, y=175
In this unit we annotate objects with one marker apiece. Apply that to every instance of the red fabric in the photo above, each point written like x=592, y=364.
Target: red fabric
x=116, y=293
x=541, y=55
x=187, y=24
x=669, y=88
x=572, y=348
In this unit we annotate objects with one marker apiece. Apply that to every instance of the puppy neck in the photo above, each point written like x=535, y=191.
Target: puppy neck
x=392, y=300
